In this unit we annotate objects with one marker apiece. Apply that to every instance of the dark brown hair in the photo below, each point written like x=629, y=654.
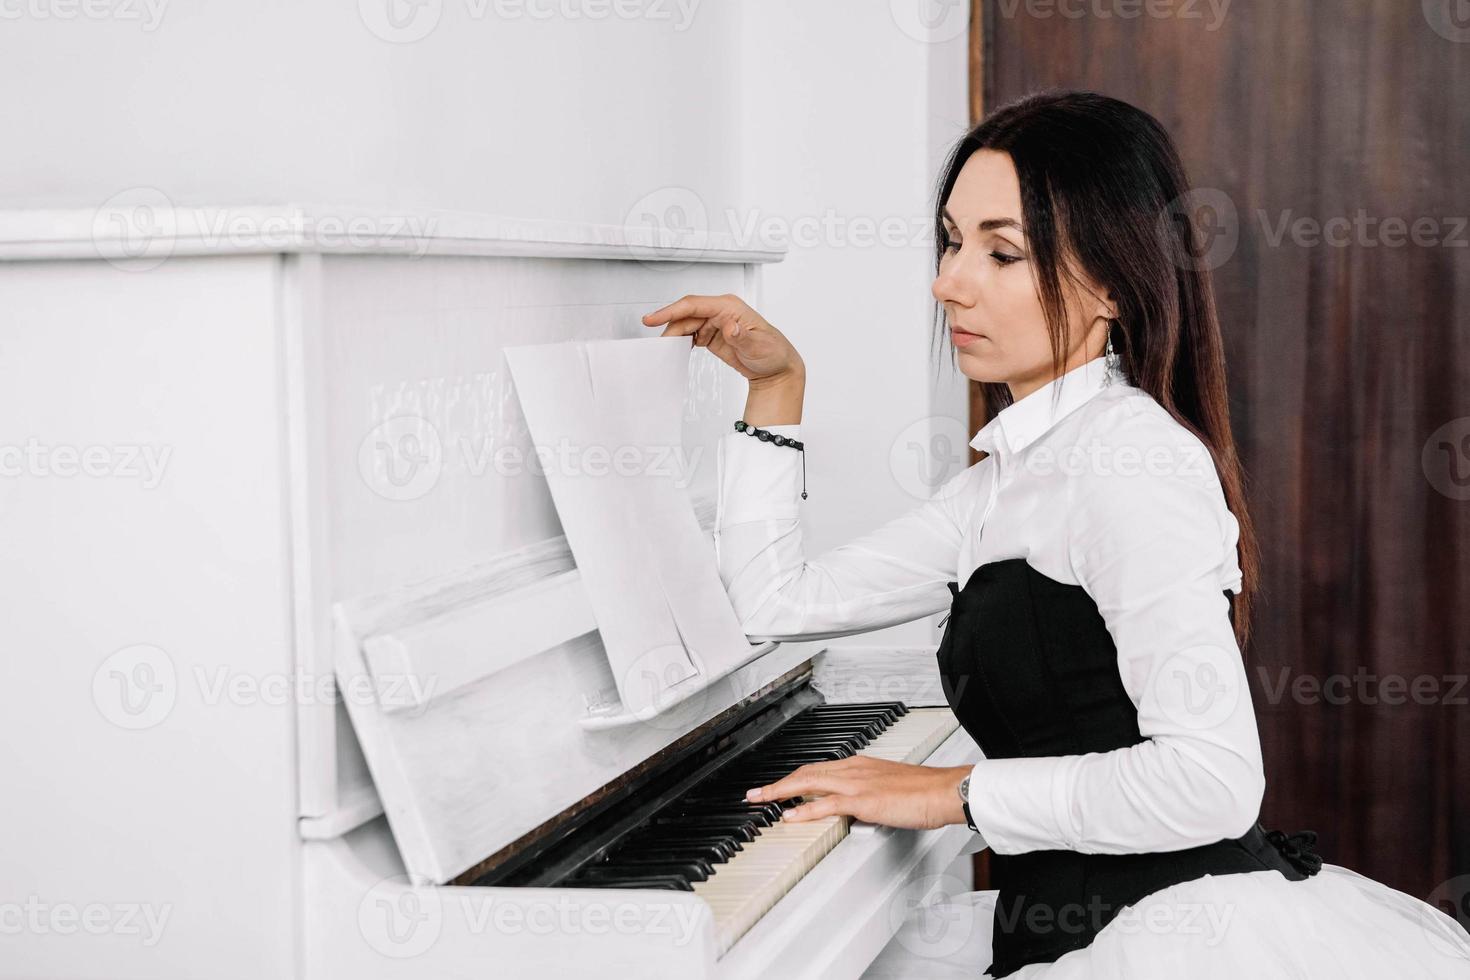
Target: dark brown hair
x=1102, y=182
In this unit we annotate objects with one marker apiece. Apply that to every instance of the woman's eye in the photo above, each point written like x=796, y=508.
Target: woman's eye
x=1002, y=259
x=950, y=243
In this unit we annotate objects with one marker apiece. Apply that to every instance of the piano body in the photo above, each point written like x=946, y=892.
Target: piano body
x=309, y=679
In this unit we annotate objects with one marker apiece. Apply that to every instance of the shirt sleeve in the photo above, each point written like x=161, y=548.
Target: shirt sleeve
x=894, y=574
x=1155, y=547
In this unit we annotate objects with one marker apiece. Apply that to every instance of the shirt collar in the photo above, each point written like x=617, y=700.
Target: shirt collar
x=1023, y=422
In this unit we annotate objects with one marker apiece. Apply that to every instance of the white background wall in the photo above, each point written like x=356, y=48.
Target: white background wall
x=823, y=122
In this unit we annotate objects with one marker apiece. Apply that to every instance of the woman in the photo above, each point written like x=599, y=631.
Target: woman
x=1108, y=563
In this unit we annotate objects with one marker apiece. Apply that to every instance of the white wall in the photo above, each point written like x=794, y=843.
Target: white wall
x=254, y=101
x=849, y=110
x=806, y=118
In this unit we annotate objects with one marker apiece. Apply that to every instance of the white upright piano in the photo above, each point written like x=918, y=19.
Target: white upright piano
x=301, y=680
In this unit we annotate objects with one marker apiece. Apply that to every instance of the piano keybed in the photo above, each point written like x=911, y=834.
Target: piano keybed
x=740, y=857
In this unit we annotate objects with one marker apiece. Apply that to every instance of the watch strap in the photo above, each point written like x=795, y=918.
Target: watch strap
x=964, y=791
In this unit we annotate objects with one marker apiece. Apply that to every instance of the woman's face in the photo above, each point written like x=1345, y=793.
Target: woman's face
x=989, y=290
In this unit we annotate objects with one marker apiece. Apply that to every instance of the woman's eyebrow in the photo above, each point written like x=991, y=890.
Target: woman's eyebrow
x=989, y=224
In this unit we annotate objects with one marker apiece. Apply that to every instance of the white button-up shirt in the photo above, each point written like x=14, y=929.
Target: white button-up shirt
x=1096, y=485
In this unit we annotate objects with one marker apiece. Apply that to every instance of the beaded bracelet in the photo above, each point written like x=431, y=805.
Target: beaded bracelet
x=742, y=426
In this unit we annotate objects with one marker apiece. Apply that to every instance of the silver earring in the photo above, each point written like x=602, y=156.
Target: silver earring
x=1112, y=363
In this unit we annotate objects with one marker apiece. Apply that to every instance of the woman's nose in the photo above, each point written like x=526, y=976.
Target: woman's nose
x=950, y=288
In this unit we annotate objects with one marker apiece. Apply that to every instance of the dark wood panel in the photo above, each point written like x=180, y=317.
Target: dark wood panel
x=1347, y=358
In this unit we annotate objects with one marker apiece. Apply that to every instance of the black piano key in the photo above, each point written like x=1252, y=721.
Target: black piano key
x=715, y=852
x=808, y=755
x=671, y=882
x=834, y=726
x=725, y=800
x=742, y=829
x=892, y=711
x=761, y=818
x=688, y=870
x=648, y=838
x=702, y=865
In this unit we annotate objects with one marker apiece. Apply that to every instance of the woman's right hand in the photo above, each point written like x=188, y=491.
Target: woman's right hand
x=734, y=333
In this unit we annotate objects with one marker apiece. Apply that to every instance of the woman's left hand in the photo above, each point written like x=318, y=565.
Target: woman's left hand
x=894, y=794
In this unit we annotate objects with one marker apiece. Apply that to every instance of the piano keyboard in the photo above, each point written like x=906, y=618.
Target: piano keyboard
x=740, y=857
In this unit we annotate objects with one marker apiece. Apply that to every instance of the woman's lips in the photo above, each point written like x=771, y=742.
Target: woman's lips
x=963, y=339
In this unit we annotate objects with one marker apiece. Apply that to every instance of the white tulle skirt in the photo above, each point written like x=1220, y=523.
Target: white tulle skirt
x=1337, y=924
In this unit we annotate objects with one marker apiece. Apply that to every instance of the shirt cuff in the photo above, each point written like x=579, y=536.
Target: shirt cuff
x=759, y=481
x=1019, y=804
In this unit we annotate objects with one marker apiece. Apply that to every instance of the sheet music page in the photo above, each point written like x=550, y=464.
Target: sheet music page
x=606, y=420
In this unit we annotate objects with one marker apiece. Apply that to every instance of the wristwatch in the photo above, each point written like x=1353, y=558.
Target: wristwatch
x=965, y=798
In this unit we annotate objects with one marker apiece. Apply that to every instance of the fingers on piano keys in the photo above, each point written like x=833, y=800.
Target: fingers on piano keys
x=739, y=856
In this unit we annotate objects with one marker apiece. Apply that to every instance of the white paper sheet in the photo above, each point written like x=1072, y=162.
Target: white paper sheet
x=650, y=573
